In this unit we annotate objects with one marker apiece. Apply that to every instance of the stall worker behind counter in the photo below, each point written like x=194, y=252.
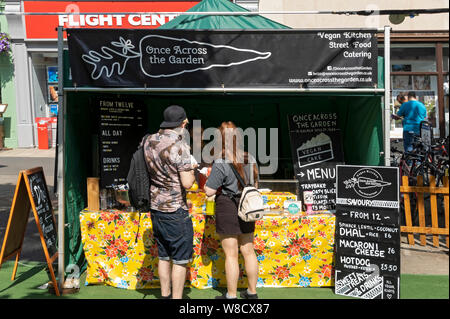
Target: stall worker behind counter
x=171, y=169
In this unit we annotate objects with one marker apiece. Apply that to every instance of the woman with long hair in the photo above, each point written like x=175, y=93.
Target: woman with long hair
x=234, y=233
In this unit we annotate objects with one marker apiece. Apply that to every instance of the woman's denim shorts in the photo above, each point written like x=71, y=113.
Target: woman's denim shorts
x=174, y=235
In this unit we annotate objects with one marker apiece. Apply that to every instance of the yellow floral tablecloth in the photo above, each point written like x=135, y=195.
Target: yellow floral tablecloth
x=293, y=251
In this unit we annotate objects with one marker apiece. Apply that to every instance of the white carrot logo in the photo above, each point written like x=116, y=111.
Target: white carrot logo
x=162, y=56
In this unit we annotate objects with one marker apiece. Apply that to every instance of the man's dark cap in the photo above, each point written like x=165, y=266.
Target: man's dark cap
x=174, y=115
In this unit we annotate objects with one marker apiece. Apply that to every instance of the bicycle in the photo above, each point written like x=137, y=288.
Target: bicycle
x=435, y=160
x=406, y=162
x=424, y=160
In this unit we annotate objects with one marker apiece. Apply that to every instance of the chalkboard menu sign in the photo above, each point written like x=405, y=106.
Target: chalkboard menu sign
x=316, y=146
x=44, y=210
x=31, y=193
x=368, y=187
x=367, y=261
x=315, y=138
x=321, y=180
x=121, y=128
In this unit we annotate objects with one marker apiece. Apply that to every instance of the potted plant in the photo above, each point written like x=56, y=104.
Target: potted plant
x=5, y=43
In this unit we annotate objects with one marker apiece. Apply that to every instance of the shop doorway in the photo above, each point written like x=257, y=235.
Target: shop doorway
x=44, y=89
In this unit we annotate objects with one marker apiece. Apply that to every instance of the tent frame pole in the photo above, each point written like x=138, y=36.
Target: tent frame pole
x=387, y=95
x=225, y=90
x=60, y=158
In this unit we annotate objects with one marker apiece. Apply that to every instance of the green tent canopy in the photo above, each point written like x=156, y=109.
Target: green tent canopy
x=221, y=21
x=360, y=118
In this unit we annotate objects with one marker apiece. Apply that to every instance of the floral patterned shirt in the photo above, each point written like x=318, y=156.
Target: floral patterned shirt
x=167, y=155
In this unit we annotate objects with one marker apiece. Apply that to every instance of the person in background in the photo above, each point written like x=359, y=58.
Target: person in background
x=234, y=233
x=412, y=112
x=171, y=172
x=401, y=98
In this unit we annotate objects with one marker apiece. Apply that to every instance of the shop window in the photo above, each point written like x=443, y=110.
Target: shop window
x=409, y=58
x=44, y=83
x=413, y=59
x=425, y=87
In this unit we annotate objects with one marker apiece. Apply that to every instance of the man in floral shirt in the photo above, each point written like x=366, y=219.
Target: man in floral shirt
x=171, y=173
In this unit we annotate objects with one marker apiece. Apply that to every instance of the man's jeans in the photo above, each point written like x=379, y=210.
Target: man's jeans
x=174, y=235
x=408, y=139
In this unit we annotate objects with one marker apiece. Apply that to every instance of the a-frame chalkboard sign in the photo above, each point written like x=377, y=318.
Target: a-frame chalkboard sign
x=31, y=192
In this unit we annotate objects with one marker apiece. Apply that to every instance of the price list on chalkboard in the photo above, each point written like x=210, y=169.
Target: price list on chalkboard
x=316, y=146
x=121, y=128
x=321, y=180
x=367, y=261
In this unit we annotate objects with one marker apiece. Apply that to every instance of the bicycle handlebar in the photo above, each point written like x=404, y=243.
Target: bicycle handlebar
x=414, y=155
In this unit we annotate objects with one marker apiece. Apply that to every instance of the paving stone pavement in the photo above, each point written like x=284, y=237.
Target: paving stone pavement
x=430, y=260
x=415, y=259
x=11, y=162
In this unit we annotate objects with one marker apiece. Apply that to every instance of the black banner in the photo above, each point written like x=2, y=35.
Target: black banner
x=121, y=128
x=221, y=59
x=367, y=261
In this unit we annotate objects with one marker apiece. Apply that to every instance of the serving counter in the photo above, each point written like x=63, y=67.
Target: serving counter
x=293, y=251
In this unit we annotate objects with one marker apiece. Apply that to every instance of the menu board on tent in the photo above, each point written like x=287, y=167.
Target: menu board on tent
x=121, y=129
x=367, y=261
x=316, y=146
x=321, y=180
x=223, y=58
